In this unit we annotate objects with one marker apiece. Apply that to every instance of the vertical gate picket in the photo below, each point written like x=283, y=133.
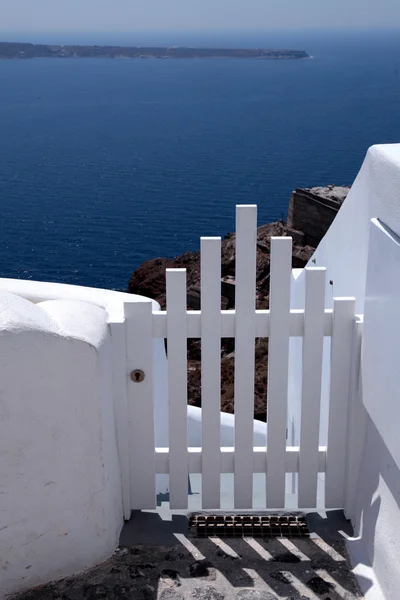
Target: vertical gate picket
x=211, y=370
x=246, y=240
x=313, y=339
x=177, y=393
x=343, y=329
x=118, y=333
x=278, y=369
x=139, y=338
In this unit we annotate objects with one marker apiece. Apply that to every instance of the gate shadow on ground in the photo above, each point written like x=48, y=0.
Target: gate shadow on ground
x=158, y=560
x=281, y=568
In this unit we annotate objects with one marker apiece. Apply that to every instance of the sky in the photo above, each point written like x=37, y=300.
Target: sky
x=186, y=15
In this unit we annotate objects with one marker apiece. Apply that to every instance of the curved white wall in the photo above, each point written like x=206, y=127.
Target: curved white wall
x=60, y=479
x=60, y=489
x=110, y=300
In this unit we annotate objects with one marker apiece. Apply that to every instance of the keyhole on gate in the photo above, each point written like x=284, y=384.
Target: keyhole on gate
x=137, y=376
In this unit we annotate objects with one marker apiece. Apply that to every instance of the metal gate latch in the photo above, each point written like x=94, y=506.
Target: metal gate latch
x=137, y=376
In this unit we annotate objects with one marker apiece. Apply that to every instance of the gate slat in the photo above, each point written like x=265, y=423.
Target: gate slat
x=139, y=340
x=343, y=328
x=311, y=385
x=116, y=314
x=246, y=239
x=211, y=371
x=118, y=334
x=177, y=387
x=278, y=369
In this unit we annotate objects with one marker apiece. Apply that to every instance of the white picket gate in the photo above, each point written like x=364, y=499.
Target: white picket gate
x=141, y=461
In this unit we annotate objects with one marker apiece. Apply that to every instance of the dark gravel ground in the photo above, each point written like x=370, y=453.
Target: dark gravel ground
x=214, y=569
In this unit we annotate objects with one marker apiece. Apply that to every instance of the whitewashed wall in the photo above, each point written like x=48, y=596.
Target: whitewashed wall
x=60, y=490
x=344, y=253
x=60, y=484
x=367, y=265
x=377, y=497
x=38, y=292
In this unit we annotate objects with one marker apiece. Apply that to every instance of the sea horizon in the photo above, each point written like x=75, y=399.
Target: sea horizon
x=209, y=37
x=105, y=164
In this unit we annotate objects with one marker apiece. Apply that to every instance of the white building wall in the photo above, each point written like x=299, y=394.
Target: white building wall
x=345, y=251
x=377, y=497
x=60, y=489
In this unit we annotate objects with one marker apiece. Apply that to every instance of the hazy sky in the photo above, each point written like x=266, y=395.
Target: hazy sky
x=124, y=15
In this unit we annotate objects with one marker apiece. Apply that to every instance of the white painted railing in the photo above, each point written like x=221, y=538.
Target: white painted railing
x=141, y=461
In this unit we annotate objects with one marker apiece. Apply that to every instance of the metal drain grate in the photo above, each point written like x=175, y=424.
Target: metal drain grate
x=241, y=525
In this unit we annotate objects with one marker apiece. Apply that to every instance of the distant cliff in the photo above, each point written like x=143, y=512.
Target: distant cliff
x=20, y=50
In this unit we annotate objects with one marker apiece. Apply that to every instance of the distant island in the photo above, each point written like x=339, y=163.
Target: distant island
x=11, y=50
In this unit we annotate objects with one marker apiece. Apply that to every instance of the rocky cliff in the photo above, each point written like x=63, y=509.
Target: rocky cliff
x=149, y=280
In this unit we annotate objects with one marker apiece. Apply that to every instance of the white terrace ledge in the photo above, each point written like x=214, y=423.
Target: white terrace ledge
x=38, y=291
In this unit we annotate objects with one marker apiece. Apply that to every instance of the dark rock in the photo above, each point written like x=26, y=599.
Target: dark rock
x=146, y=566
x=287, y=557
x=122, y=551
x=297, y=236
x=135, y=572
x=171, y=574
x=149, y=593
x=174, y=555
x=324, y=564
x=228, y=287
x=312, y=210
x=93, y=592
x=320, y=586
x=121, y=592
x=207, y=593
x=31, y=595
x=224, y=303
x=193, y=297
x=226, y=555
x=279, y=576
x=149, y=278
x=202, y=568
x=47, y=592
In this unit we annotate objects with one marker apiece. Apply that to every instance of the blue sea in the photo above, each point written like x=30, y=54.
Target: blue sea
x=107, y=163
